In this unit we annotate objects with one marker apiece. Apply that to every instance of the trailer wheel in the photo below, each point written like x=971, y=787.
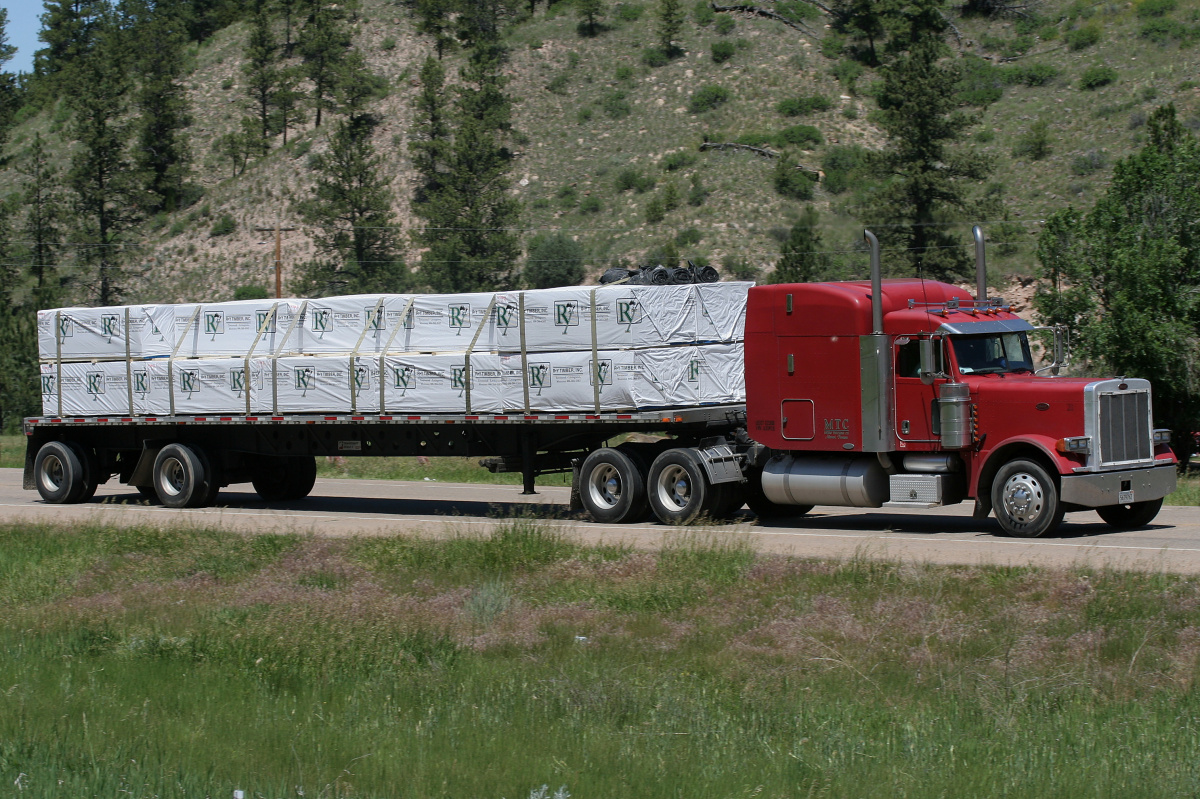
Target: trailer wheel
x=303, y=472
x=181, y=478
x=612, y=486
x=1025, y=499
x=1132, y=515
x=60, y=473
x=679, y=489
x=286, y=478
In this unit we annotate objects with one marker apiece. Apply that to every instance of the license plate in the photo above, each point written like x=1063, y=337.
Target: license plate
x=1124, y=497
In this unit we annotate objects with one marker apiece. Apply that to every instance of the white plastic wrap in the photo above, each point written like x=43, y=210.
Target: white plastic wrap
x=438, y=384
x=102, y=389
x=322, y=384
x=100, y=332
x=212, y=385
x=229, y=329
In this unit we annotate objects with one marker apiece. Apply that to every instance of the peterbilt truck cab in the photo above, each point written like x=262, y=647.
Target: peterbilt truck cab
x=913, y=393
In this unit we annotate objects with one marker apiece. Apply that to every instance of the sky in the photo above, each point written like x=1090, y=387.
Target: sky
x=22, y=30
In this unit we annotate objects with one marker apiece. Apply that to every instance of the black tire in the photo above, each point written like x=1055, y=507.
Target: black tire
x=1025, y=499
x=730, y=497
x=180, y=477
x=612, y=486
x=1132, y=515
x=91, y=471
x=678, y=488
x=59, y=473
x=285, y=479
x=302, y=471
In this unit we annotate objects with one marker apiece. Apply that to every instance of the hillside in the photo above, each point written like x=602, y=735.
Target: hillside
x=588, y=110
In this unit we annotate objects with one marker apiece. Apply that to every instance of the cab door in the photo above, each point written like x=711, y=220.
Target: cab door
x=915, y=403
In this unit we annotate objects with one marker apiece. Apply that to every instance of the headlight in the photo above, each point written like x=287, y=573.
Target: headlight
x=1076, y=445
x=1162, y=436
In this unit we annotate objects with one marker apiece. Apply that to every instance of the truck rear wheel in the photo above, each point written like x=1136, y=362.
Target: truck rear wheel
x=182, y=478
x=60, y=473
x=613, y=486
x=1132, y=515
x=1025, y=499
x=679, y=489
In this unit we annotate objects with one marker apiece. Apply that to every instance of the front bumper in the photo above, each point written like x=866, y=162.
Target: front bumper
x=1118, y=488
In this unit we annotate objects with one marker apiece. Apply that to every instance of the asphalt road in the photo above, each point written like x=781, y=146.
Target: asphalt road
x=375, y=507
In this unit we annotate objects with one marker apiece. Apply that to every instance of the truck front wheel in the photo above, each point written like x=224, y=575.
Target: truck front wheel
x=1025, y=499
x=679, y=489
x=1132, y=515
x=613, y=486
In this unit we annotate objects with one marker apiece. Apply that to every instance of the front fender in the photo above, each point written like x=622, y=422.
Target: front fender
x=989, y=461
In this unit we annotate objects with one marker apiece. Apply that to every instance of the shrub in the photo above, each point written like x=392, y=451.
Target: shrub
x=707, y=98
x=633, y=180
x=725, y=25
x=754, y=139
x=981, y=83
x=739, y=268
x=615, y=106
x=703, y=14
x=799, y=106
x=567, y=195
x=655, y=211
x=680, y=160
x=791, y=182
x=388, y=44
x=722, y=51
x=558, y=84
x=223, y=226
x=1155, y=8
x=840, y=164
x=1030, y=74
x=1162, y=30
x=584, y=115
x=655, y=57
x=250, y=292
x=624, y=72
x=847, y=72
x=686, y=238
x=805, y=136
x=1083, y=36
x=1097, y=76
x=591, y=205
x=670, y=197
x=1088, y=163
x=1034, y=143
x=630, y=12
x=553, y=260
x=697, y=194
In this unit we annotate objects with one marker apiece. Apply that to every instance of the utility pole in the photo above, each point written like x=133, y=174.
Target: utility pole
x=278, y=254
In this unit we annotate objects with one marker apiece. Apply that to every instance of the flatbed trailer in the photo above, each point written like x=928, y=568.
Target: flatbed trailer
x=184, y=460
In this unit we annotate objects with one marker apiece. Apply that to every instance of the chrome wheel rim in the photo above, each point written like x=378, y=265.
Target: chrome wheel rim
x=1023, y=498
x=171, y=477
x=675, y=487
x=604, y=486
x=52, y=474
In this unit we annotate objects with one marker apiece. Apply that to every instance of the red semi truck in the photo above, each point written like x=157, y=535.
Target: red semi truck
x=898, y=393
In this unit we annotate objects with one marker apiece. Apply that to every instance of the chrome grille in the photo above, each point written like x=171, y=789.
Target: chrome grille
x=1125, y=434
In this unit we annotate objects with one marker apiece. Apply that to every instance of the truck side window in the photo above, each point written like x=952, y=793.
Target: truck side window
x=908, y=359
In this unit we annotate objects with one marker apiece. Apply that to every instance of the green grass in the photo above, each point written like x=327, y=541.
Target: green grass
x=12, y=452
x=189, y=662
x=448, y=469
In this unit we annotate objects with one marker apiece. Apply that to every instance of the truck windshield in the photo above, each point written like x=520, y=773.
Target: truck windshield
x=992, y=354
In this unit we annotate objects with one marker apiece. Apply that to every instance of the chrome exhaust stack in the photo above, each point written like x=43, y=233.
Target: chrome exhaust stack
x=980, y=266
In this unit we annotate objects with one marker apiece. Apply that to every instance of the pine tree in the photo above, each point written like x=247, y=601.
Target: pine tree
x=9, y=94
x=69, y=29
x=430, y=145
x=351, y=205
x=801, y=259
x=44, y=215
x=100, y=175
x=161, y=151
x=928, y=179
x=670, y=23
x=590, y=11
x=288, y=8
x=433, y=19
x=287, y=103
x=323, y=44
x=471, y=245
x=355, y=86
x=1125, y=277
x=262, y=73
